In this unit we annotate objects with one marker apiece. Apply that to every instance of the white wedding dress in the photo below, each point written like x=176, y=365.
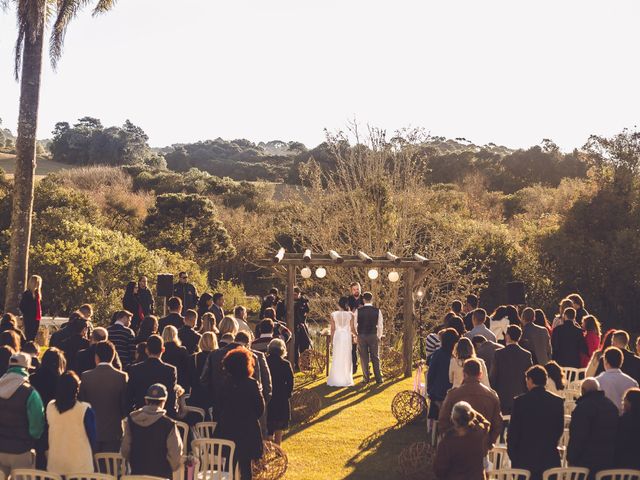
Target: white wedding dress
x=340, y=373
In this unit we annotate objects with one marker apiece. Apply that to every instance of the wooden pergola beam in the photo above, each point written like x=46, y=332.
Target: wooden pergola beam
x=376, y=262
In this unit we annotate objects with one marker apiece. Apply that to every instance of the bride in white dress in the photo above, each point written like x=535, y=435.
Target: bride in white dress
x=340, y=373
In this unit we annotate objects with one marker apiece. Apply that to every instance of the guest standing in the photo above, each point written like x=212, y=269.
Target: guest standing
x=175, y=354
x=438, y=383
x=537, y=423
x=241, y=407
x=578, y=305
x=199, y=393
x=613, y=381
x=175, y=318
x=148, y=327
x=627, y=446
x=462, y=352
x=123, y=337
x=555, y=378
x=145, y=297
x=217, y=308
x=131, y=303
x=567, y=341
x=9, y=323
x=187, y=334
x=186, y=292
x=278, y=408
x=204, y=305
x=72, y=429
x=31, y=307
x=535, y=338
x=591, y=327
x=461, y=452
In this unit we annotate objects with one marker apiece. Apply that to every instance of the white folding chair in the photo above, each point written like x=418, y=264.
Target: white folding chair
x=567, y=421
x=110, y=464
x=569, y=406
x=88, y=476
x=573, y=376
x=216, y=457
x=568, y=473
x=509, y=474
x=183, y=430
x=618, y=474
x=198, y=411
x=31, y=474
x=499, y=458
x=571, y=394
x=204, y=429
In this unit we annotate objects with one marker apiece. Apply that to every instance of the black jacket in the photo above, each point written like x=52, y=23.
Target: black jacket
x=627, y=453
x=71, y=346
x=174, y=319
x=86, y=360
x=189, y=338
x=144, y=374
x=187, y=293
x=199, y=393
x=178, y=357
x=567, y=343
x=537, y=423
x=278, y=409
x=145, y=297
x=592, y=432
x=300, y=310
x=28, y=306
x=507, y=374
x=241, y=407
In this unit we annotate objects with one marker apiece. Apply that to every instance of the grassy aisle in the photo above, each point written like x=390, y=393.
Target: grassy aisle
x=353, y=437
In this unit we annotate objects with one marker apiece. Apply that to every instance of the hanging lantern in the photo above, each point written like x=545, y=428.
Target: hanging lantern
x=373, y=274
x=306, y=272
x=393, y=276
x=321, y=272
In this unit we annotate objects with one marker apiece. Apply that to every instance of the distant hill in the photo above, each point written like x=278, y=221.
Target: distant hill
x=43, y=167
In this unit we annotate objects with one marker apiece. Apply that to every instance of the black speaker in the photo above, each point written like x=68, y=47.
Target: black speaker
x=164, y=286
x=516, y=293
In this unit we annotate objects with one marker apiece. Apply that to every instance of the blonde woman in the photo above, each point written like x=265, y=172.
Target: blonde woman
x=461, y=352
x=227, y=326
x=564, y=304
x=208, y=323
x=200, y=395
x=31, y=307
x=175, y=354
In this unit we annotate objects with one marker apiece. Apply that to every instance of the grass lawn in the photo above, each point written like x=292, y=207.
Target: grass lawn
x=354, y=436
x=43, y=166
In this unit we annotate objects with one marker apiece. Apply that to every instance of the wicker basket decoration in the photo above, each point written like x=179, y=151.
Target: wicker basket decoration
x=408, y=406
x=305, y=405
x=273, y=464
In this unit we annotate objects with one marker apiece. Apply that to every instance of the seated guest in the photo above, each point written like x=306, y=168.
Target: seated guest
x=187, y=334
x=123, y=337
x=462, y=352
x=175, y=318
x=537, y=423
x=105, y=389
x=613, y=381
x=72, y=429
x=76, y=342
x=86, y=359
x=261, y=343
x=555, y=378
x=152, y=370
x=278, y=408
x=485, y=350
x=9, y=322
x=478, y=318
x=45, y=381
x=199, y=393
x=508, y=369
x=627, y=446
x=478, y=395
x=175, y=354
x=151, y=443
x=241, y=406
x=21, y=416
x=593, y=428
x=462, y=450
x=148, y=327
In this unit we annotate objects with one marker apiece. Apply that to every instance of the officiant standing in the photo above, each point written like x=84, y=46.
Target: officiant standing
x=368, y=324
x=355, y=302
x=302, y=339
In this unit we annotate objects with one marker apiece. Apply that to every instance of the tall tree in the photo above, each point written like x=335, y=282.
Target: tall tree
x=32, y=18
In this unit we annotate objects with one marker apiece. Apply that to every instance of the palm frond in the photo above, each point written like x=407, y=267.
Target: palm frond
x=103, y=6
x=67, y=10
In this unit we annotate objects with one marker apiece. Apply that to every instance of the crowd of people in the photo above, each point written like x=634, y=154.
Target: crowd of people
x=499, y=379
x=122, y=388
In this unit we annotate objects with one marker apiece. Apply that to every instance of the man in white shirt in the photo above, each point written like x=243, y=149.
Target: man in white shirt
x=478, y=317
x=240, y=314
x=368, y=325
x=612, y=381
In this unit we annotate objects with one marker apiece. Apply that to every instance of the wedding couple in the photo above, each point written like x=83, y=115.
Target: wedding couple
x=365, y=322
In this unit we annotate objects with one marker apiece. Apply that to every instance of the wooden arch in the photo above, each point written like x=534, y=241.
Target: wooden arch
x=416, y=268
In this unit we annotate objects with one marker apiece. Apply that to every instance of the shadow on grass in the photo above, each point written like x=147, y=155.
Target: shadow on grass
x=330, y=395
x=377, y=455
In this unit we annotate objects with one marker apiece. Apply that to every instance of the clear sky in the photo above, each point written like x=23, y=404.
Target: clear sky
x=508, y=72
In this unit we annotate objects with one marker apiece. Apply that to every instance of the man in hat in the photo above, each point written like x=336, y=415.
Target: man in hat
x=21, y=415
x=151, y=442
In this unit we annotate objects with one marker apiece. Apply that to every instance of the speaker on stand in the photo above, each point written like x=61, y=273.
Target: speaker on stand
x=164, y=289
x=516, y=293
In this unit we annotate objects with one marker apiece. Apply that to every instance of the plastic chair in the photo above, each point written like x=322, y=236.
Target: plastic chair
x=569, y=473
x=183, y=430
x=31, y=474
x=618, y=474
x=216, y=457
x=196, y=410
x=111, y=464
x=499, y=458
x=204, y=429
x=509, y=474
x=567, y=421
x=573, y=376
x=571, y=394
x=569, y=405
x=88, y=476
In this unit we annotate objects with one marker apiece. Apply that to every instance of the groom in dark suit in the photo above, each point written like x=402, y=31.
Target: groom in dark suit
x=355, y=302
x=369, y=327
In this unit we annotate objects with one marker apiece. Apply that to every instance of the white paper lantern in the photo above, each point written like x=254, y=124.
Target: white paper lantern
x=321, y=272
x=373, y=274
x=305, y=272
x=394, y=277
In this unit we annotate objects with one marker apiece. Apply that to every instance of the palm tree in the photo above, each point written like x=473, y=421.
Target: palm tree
x=32, y=16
